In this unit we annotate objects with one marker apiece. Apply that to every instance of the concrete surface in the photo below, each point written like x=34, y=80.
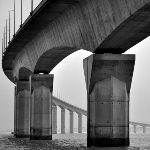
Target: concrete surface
x=23, y=109
x=41, y=107
x=59, y=29
x=108, y=81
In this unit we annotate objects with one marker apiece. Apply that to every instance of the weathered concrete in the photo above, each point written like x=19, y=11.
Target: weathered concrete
x=15, y=110
x=109, y=114
x=41, y=107
x=62, y=121
x=54, y=113
x=108, y=80
x=23, y=98
x=59, y=29
x=79, y=123
x=71, y=121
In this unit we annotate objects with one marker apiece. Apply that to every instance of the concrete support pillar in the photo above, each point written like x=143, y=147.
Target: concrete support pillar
x=15, y=111
x=79, y=123
x=41, y=107
x=108, y=81
x=54, y=127
x=62, y=121
x=71, y=121
x=134, y=128
x=144, y=129
x=22, y=112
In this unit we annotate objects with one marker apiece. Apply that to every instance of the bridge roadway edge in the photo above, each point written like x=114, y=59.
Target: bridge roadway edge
x=126, y=16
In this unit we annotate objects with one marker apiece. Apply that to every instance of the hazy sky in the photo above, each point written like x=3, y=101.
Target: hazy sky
x=69, y=81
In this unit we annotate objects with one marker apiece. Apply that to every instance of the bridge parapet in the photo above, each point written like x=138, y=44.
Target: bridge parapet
x=139, y=124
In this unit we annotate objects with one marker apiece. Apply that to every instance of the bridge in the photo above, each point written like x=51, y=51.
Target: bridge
x=144, y=125
x=63, y=105
x=56, y=29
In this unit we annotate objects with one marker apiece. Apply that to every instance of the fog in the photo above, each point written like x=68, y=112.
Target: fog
x=69, y=83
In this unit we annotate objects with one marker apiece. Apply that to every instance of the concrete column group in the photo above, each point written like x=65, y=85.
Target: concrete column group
x=33, y=111
x=108, y=81
x=134, y=128
x=33, y=108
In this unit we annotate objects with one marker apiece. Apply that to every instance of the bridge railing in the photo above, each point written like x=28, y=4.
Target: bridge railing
x=6, y=40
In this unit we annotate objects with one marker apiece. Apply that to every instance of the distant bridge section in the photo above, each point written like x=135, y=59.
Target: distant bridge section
x=64, y=105
x=139, y=124
x=144, y=125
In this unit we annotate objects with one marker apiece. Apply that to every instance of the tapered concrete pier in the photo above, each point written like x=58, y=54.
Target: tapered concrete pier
x=22, y=113
x=54, y=113
x=108, y=80
x=71, y=121
x=41, y=107
x=62, y=121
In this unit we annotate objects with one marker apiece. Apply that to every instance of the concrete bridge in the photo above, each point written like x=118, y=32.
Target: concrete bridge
x=63, y=105
x=54, y=30
x=135, y=124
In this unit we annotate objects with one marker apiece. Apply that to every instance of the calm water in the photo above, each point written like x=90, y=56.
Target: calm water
x=138, y=141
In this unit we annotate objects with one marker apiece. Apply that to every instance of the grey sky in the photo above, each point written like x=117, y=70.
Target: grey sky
x=69, y=81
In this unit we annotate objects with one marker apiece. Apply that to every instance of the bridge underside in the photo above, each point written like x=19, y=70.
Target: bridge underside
x=97, y=26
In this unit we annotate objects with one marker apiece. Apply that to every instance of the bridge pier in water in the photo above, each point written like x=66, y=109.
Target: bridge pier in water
x=71, y=121
x=134, y=128
x=41, y=107
x=22, y=109
x=62, y=121
x=108, y=80
x=144, y=129
x=79, y=123
x=54, y=120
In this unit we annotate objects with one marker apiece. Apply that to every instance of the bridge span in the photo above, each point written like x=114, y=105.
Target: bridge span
x=135, y=124
x=64, y=105
x=56, y=29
